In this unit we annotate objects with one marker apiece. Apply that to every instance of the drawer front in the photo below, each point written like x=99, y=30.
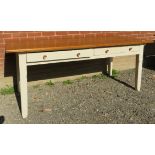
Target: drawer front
x=59, y=55
x=116, y=50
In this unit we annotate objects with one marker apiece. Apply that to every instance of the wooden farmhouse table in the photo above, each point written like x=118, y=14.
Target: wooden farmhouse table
x=30, y=53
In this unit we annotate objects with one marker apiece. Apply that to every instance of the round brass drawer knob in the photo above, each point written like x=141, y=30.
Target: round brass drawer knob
x=44, y=57
x=106, y=51
x=78, y=55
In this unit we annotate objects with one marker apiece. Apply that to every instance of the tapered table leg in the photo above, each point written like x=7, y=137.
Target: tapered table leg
x=110, y=66
x=22, y=83
x=138, y=72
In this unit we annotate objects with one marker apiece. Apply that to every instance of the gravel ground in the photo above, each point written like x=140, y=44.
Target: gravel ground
x=89, y=100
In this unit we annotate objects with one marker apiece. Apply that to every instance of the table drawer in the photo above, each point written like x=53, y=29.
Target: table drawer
x=59, y=55
x=115, y=50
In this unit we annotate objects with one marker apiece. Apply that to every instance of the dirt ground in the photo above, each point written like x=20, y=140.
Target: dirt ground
x=88, y=100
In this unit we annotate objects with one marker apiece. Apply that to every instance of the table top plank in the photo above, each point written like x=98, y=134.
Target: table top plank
x=66, y=43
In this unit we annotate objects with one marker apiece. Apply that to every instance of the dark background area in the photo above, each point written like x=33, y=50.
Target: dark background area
x=149, y=56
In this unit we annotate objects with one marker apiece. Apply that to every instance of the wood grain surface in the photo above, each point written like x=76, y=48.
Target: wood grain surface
x=67, y=43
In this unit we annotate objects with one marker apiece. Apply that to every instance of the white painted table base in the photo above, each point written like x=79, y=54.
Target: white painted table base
x=27, y=59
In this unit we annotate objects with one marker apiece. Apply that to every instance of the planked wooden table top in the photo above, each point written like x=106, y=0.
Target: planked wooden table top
x=66, y=43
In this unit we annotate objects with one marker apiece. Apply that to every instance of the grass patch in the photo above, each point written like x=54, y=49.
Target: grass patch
x=50, y=83
x=99, y=76
x=82, y=78
x=67, y=82
x=115, y=73
x=36, y=86
x=7, y=90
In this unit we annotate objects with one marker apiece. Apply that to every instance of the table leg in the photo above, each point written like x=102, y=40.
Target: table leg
x=110, y=66
x=22, y=83
x=138, y=72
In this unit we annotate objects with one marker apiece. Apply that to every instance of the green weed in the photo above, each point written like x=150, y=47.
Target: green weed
x=50, y=83
x=81, y=78
x=7, y=90
x=36, y=86
x=99, y=76
x=115, y=73
x=67, y=82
